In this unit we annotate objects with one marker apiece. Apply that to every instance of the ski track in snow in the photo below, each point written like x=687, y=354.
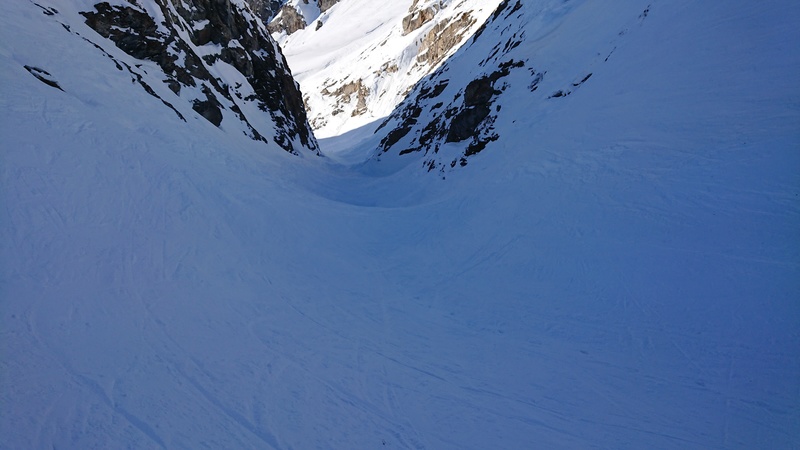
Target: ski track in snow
x=630, y=280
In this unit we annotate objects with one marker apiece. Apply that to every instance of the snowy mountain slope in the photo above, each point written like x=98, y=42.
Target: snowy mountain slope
x=537, y=54
x=356, y=60
x=606, y=274
x=214, y=58
x=520, y=55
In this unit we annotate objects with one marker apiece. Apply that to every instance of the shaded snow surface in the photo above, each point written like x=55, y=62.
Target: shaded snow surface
x=620, y=271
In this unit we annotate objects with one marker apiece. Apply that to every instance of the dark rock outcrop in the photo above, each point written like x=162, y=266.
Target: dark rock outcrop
x=266, y=9
x=466, y=122
x=43, y=76
x=233, y=37
x=325, y=5
x=469, y=118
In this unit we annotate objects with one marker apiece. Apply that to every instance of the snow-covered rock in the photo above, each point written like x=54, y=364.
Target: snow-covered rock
x=451, y=115
x=357, y=59
x=215, y=57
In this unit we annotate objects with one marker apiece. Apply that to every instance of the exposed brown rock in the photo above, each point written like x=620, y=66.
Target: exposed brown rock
x=325, y=5
x=345, y=93
x=387, y=67
x=442, y=37
x=418, y=18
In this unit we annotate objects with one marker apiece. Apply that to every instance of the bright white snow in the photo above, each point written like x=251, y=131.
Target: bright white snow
x=364, y=40
x=620, y=270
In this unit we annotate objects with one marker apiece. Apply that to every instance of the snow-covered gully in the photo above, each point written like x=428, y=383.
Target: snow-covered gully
x=617, y=269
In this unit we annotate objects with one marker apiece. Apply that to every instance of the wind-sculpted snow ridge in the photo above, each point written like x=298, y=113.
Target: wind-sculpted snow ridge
x=356, y=59
x=215, y=57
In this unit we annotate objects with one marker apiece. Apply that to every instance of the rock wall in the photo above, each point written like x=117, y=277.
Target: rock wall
x=266, y=9
x=438, y=42
x=193, y=57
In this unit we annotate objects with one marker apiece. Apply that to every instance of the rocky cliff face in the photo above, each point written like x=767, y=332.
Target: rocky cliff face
x=266, y=9
x=215, y=55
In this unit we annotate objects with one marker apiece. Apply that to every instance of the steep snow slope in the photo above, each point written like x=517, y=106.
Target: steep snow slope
x=535, y=55
x=198, y=58
x=358, y=59
x=535, y=58
x=617, y=270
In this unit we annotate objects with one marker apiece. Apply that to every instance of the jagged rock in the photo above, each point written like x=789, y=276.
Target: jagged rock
x=468, y=117
x=344, y=94
x=266, y=9
x=325, y=5
x=417, y=19
x=442, y=37
x=466, y=122
x=447, y=125
x=361, y=104
x=287, y=20
x=135, y=32
x=409, y=116
x=479, y=92
x=210, y=108
x=477, y=106
x=240, y=40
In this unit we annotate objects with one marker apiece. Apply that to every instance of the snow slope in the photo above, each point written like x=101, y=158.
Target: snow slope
x=618, y=270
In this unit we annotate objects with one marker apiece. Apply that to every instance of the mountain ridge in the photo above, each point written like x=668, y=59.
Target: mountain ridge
x=216, y=58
